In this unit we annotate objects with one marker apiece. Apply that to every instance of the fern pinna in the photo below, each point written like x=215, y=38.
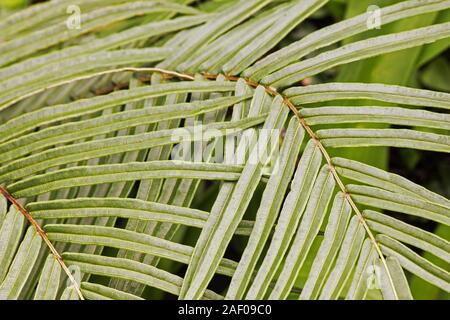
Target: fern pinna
x=158, y=145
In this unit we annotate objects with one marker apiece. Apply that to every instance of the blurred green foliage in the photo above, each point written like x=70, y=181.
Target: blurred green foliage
x=13, y=4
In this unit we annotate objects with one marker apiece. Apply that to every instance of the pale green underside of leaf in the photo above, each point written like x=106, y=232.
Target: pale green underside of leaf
x=90, y=123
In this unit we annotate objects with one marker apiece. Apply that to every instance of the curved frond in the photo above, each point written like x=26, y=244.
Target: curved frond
x=163, y=145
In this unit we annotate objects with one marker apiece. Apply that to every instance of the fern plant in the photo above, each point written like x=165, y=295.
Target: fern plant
x=96, y=205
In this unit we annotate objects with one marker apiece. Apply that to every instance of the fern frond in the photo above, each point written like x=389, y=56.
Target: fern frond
x=91, y=121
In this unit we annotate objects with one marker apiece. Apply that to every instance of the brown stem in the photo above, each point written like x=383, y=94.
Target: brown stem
x=42, y=234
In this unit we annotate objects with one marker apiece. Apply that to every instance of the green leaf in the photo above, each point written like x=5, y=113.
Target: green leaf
x=48, y=285
x=153, y=150
x=356, y=51
x=21, y=266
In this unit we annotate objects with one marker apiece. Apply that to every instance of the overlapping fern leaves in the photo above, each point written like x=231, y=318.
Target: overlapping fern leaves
x=88, y=120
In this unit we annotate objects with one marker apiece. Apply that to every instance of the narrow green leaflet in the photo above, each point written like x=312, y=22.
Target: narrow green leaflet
x=312, y=219
x=380, y=92
x=48, y=284
x=291, y=212
x=336, y=32
x=401, y=287
x=267, y=213
x=21, y=266
x=356, y=51
x=82, y=176
x=10, y=236
x=334, y=235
